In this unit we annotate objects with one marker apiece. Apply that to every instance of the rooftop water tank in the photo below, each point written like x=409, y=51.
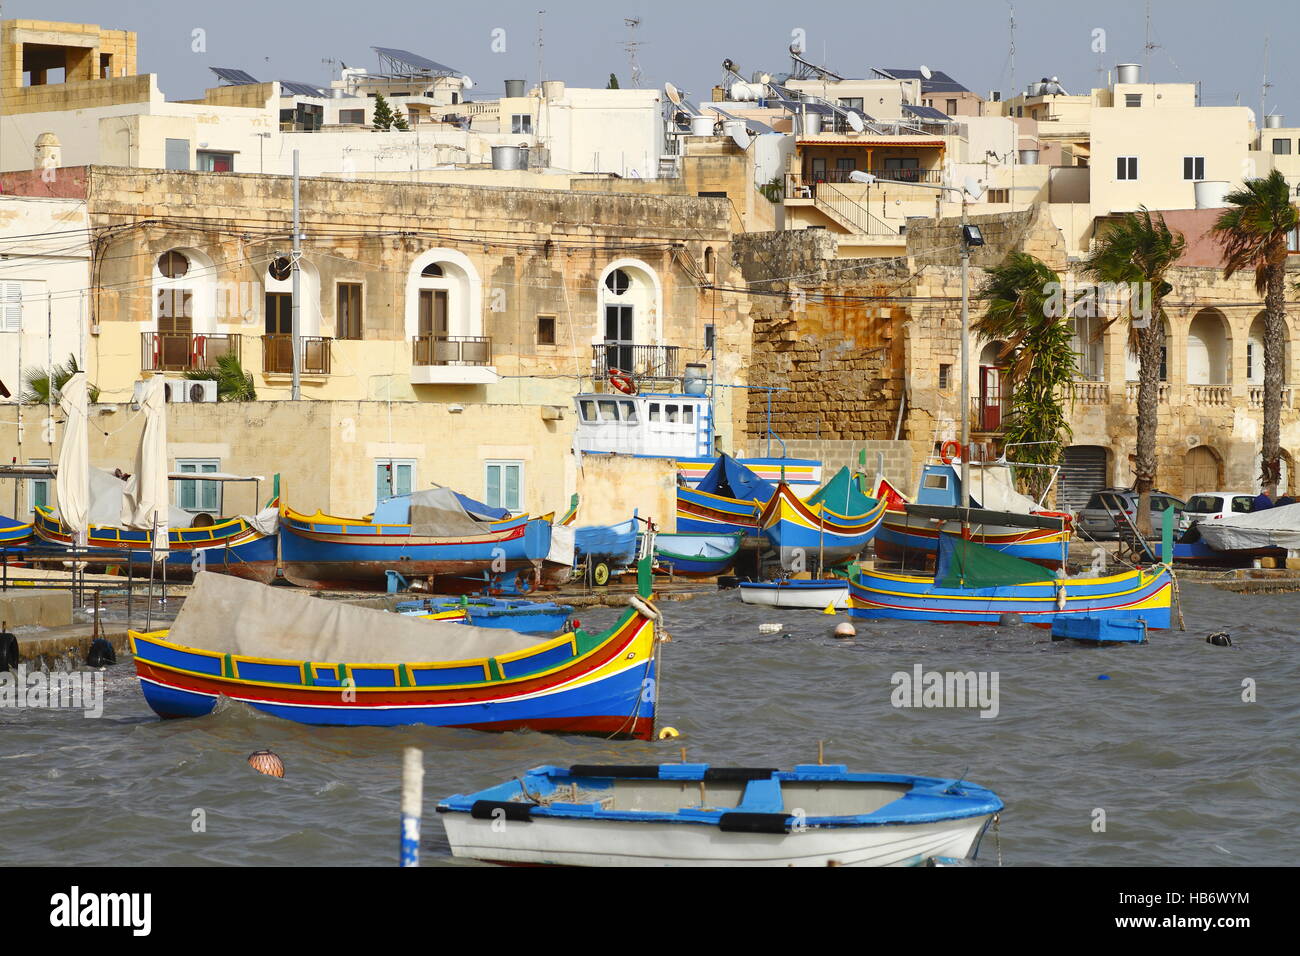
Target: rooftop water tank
x=1028, y=157
x=509, y=157
x=1210, y=193
x=1128, y=73
x=812, y=123
x=1273, y=121
x=696, y=378
x=702, y=124
x=514, y=88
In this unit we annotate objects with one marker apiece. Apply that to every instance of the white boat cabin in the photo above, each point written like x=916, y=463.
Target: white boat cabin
x=670, y=425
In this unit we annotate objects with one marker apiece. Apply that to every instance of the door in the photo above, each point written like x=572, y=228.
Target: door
x=175, y=323
x=618, y=337
x=278, y=351
x=1200, y=471
x=433, y=312
x=990, y=398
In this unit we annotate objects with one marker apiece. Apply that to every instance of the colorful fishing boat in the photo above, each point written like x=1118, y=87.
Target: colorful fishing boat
x=231, y=546
x=14, y=533
x=815, y=594
x=698, y=815
x=728, y=499
x=909, y=532
x=978, y=585
x=697, y=555
x=325, y=551
x=831, y=527
x=525, y=617
x=601, y=549
x=312, y=661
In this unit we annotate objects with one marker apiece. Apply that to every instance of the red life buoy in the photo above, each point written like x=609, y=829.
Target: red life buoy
x=946, y=455
x=622, y=381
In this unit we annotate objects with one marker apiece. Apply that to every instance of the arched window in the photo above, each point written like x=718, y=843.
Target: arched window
x=1255, y=352
x=628, y=323
x=709, y=264
x=173, y=264
x=432, y=271
x=279, y=303
x=618, y=282
x=443, y=297
x=1208, y=349
x=184, y=297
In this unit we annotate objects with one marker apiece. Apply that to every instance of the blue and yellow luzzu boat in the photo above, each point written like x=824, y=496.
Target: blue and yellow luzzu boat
x=976, y=585
x=727, y=500
x=831, y=527
x=14, y=533
x=231, y=546
x=324, y=551
x=526, y=617
x=323, y=662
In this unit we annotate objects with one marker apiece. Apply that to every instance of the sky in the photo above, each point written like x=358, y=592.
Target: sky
x=685, y=42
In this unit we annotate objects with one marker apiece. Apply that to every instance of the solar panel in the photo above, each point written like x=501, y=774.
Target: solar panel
x=749, y=123
x=927, y=113
x=233, y=77
x=415, y=61
x=938, y=81
x=301, y=89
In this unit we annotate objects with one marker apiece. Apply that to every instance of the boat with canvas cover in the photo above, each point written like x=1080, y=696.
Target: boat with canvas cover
x=909, y=533
x=726, y=500
x=977, y=585
x=439, y=538
x=697, y=555
x=699, y=815
x=832, y=526
x=1240, y=539
x=817, y=594
x=314, y=661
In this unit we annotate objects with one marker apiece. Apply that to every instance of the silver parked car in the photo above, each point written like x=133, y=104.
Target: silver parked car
x=1095, y=521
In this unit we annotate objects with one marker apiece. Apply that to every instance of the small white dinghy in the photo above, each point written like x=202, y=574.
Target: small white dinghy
x=696, y=815
x=817, y=594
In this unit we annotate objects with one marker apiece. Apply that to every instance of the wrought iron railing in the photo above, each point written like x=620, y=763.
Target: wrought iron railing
x=638, y=361
x=277, y=354
x=451, y=350
x=184, y=351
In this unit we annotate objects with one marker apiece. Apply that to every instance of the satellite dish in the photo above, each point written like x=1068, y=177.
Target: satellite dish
x=467, y=82
x=730, y=66
x=765, y=79
x=741, y=137
x=973, y=187
x=673, y=96
x=925, y=72
x=855, y=121
x=858, y=176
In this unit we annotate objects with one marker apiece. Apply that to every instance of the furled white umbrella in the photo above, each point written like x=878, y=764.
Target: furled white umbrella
x=72, y=481
x=145, y=502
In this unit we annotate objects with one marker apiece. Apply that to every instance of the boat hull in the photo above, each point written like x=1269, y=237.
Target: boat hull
x=803, y=535
x=1135, y=595
x=697, y=555
x=913, y=541
x=816, y=595
x=565, y=685
x=325, y=553
x=608, y=843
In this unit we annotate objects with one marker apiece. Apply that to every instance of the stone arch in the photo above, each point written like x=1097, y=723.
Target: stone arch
x=309, y=317
x=1202, y=470
x=644, y=294
x=184, y=302
x=1209, y=349
x=459, y=282
x=1255, y=352
x=1131, y=365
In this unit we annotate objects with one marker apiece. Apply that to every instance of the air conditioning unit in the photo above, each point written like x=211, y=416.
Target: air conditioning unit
x=184, y=390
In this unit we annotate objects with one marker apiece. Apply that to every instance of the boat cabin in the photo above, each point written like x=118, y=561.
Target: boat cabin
x=669, y=425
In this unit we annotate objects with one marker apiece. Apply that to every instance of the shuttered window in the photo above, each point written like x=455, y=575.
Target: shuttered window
x=11, y=306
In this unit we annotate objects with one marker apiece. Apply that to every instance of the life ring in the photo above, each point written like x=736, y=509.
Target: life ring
x=622, y=381
x=947, y=456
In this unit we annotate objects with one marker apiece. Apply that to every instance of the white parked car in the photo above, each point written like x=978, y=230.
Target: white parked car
x=1215, y=505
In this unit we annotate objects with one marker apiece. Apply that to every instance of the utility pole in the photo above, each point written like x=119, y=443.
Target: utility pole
x=965, y=363
x=296, y=311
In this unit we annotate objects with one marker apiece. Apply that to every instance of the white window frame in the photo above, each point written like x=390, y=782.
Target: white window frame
x=1196, y=161
x=1130, y=164
x=198, y=463
x=393, y=488
x=33, y=482
x=521, y=124
x=11, y=306
x=503, y=464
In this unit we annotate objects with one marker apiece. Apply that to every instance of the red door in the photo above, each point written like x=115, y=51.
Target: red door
x=990, y=398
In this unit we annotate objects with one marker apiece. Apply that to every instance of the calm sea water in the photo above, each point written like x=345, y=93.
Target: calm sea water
x=1186, y=772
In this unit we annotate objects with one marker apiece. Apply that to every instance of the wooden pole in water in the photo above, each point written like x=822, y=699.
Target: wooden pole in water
x=412, y=805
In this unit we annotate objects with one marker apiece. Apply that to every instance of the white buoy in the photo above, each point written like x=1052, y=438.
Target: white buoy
x=845, y=629
x=769, y=628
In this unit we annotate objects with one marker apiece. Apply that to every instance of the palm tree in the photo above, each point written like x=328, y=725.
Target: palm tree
x=233, y=383
x=1040, y=358
x=39, y=380
x=1140, y=249
x=1253, y=233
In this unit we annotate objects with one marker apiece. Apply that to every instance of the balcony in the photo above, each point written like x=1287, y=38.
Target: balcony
x=1131, y=393
x=452, y=360
x=277, y=355
x=656, y=362
x=1255, y=393
x=1090, y=393
x=988, y=414
x=184, y=351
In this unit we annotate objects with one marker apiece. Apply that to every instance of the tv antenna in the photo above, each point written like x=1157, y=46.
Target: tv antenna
x=631, y=45
x=541, y=43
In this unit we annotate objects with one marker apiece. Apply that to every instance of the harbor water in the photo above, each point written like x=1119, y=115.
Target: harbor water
x=1142, y=754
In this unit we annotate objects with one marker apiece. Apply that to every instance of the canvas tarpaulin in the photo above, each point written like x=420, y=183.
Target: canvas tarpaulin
x=106, y=493
x=438, y=513
x=841, y=495
x=993, y=486
x=1270, y=528
x=730, y=479
x=72, y=482
x=562, y=545
x=145, y=501
x=397, y=509
x=963, y=564
x=229, y=615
